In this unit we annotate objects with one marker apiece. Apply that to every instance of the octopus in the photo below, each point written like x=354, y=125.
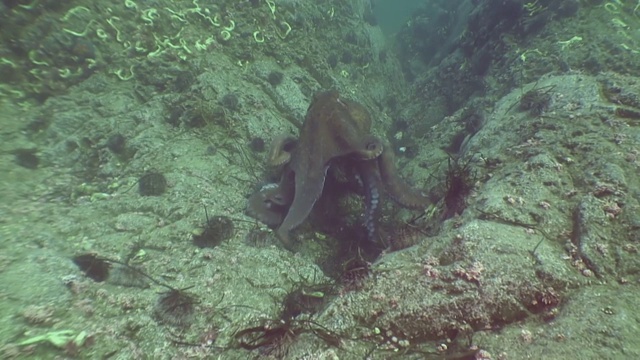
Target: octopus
x=335, y=131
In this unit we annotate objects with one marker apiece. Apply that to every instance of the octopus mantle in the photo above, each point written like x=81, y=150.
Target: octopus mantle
x=335, y=130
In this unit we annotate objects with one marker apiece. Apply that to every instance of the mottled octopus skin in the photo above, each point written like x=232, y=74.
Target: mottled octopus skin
x=334, y=129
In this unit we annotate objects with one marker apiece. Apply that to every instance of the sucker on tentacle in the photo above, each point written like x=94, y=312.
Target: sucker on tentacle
x=371, y=205
x=367, y=174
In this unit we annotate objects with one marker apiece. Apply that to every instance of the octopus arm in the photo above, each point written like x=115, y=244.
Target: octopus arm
x=307, y=192
x=396, y=187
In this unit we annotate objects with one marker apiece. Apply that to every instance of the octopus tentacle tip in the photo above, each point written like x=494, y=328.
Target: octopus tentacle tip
x=267, y=205
x=280, y=150
x=285, y=239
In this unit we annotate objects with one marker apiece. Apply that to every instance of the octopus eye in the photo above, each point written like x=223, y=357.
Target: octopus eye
x=372, y=146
